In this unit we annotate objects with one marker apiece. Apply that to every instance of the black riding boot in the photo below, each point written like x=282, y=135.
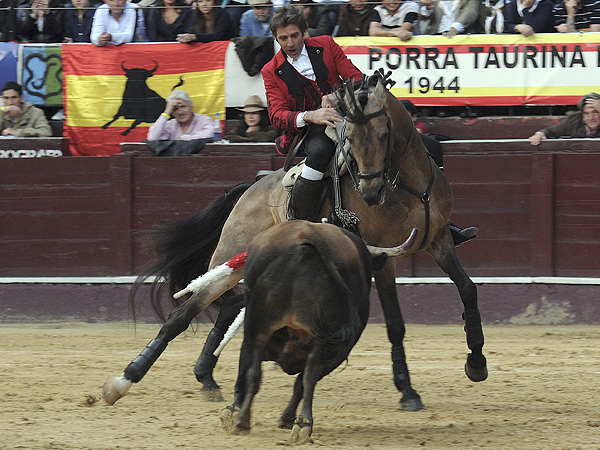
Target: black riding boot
x=462, y=235
x=304, y=196
x=207, y=361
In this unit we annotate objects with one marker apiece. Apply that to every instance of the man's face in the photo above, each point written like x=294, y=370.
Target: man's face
x=116, y=6
x=262, y=13
x=182, y=111
x=12, y=98
x=291, y=40
x=358, y=5
x=80, y=3
x=391, y=5
x=591, y=117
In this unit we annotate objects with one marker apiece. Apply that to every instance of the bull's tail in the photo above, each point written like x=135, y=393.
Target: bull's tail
x=183, y=250
x=178, y=84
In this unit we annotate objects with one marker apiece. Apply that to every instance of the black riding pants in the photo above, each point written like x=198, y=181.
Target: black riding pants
x=318, y=147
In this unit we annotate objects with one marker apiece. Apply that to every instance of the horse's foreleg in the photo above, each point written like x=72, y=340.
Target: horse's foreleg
x=386, y=288
x=208, y=360
x=443, y=251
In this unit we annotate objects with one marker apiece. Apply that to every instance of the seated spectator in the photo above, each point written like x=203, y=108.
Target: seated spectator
x=583, y=123
x=117, y=22
x=78, y=22
x=529, y=17
x=577, y=15
x=255, y=22
x=168, y=19
x=394, y=18
x=8, y=20
x=414, y=115
x=19, y=118
x=211, y=23
x=38, y=22
x=317, y=17
x=491, y=17
x=185, y=125
x=354, y=18
x=256, y=126
x=448, y=17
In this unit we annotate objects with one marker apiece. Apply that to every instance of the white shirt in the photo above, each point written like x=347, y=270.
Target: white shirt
x=304, y=67
x=448, y=21
x=389, y=21
x=121, y=31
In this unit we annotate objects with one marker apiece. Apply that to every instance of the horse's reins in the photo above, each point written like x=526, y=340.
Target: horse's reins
x=425, y=197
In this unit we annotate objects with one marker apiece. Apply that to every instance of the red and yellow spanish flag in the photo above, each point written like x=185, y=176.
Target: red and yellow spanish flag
x=113, y=94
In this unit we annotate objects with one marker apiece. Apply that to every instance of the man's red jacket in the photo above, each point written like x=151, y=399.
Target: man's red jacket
x=286, y=98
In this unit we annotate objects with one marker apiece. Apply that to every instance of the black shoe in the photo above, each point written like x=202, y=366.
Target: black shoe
x=462, y=235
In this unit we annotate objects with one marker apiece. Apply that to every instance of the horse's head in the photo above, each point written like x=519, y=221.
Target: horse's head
x=368, y=129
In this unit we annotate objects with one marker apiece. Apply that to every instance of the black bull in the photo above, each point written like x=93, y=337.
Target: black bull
x=140, y=103
x=307, y=291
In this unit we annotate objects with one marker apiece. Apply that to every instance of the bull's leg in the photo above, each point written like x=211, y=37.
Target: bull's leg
x=313, y=372
x=386, y=288
x=133, y=125
x=177, y=322
x=207, y=360
x=443, y=251
x=106, y=125
x=289, y=414
x=229, y=414
x=241, y=423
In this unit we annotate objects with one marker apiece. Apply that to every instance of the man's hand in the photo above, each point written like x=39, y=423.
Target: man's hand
x=10, y=132
x=323, y=116
x=537, y=138
x=594, y=103
x=186, y=38
x=525, y=30
x=13, y=110
x=171, y=103
x=565, y=28
x=450, y=33
x=104, y=38
x=403, y=35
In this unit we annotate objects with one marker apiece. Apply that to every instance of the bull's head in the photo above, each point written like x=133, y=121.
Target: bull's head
x=137, y=73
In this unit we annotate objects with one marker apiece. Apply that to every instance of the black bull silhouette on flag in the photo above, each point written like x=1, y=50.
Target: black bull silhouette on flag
x=140, y=103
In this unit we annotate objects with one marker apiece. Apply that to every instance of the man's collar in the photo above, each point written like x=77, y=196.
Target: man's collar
x=303, y=52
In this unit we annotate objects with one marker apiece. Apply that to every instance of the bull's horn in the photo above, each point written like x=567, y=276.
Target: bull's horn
x=123, y=67
x=155, y=67
x=401, y=250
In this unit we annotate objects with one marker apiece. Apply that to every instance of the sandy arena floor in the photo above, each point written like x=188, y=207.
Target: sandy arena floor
x=543, y=392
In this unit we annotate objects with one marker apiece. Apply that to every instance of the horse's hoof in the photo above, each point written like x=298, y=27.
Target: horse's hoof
x=212, y=395
x=227, y=416
x=114, y=388
x=476, y=374
x=411, y=404
x=239, y=430
x=301, y=434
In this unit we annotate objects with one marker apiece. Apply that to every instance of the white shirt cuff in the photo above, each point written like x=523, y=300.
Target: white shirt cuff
x=300, y=120
x=458, y=27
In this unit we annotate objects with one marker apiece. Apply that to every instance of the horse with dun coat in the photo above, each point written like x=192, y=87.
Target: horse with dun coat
x=398, y=189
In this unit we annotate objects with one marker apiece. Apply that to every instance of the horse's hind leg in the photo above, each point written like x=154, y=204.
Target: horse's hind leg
x=207, y=360
x=443, y=251
x=386, y=288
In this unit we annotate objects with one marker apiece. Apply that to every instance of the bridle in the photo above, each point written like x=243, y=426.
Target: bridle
x=394, y=181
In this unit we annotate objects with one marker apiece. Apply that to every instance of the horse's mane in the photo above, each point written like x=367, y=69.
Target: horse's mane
x=353, y=97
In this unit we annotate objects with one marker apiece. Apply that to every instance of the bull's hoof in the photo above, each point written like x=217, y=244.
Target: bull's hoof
x=239, y=430
x=211, y=395
x=301, y=434
x=476, y=374
x=114, y=388
x=411, y=404
x=227, y=416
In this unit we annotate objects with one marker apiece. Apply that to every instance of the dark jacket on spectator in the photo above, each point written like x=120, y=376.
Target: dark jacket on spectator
x=223, y=29
x=354, y=23
x=318, y=21
x=52, y=30
x=79, y=31
x=8, y=21
x=572, y=126
x=541, y=19
x=158, y=30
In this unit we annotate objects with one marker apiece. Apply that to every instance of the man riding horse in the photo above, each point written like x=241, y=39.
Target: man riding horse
x=299, y=82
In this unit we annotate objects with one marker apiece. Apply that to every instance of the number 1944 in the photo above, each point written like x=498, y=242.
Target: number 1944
x=425, y=85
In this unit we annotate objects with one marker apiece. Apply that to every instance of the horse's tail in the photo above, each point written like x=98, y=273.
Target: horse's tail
x=183, y=250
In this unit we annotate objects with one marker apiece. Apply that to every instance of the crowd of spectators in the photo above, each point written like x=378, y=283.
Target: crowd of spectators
x=187, y=21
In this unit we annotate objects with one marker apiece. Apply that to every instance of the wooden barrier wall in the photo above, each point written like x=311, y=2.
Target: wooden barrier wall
x=538, y=209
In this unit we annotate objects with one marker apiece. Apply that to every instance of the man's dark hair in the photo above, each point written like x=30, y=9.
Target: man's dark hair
x=12, y=85
x=288, y=15
x=410, y=107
